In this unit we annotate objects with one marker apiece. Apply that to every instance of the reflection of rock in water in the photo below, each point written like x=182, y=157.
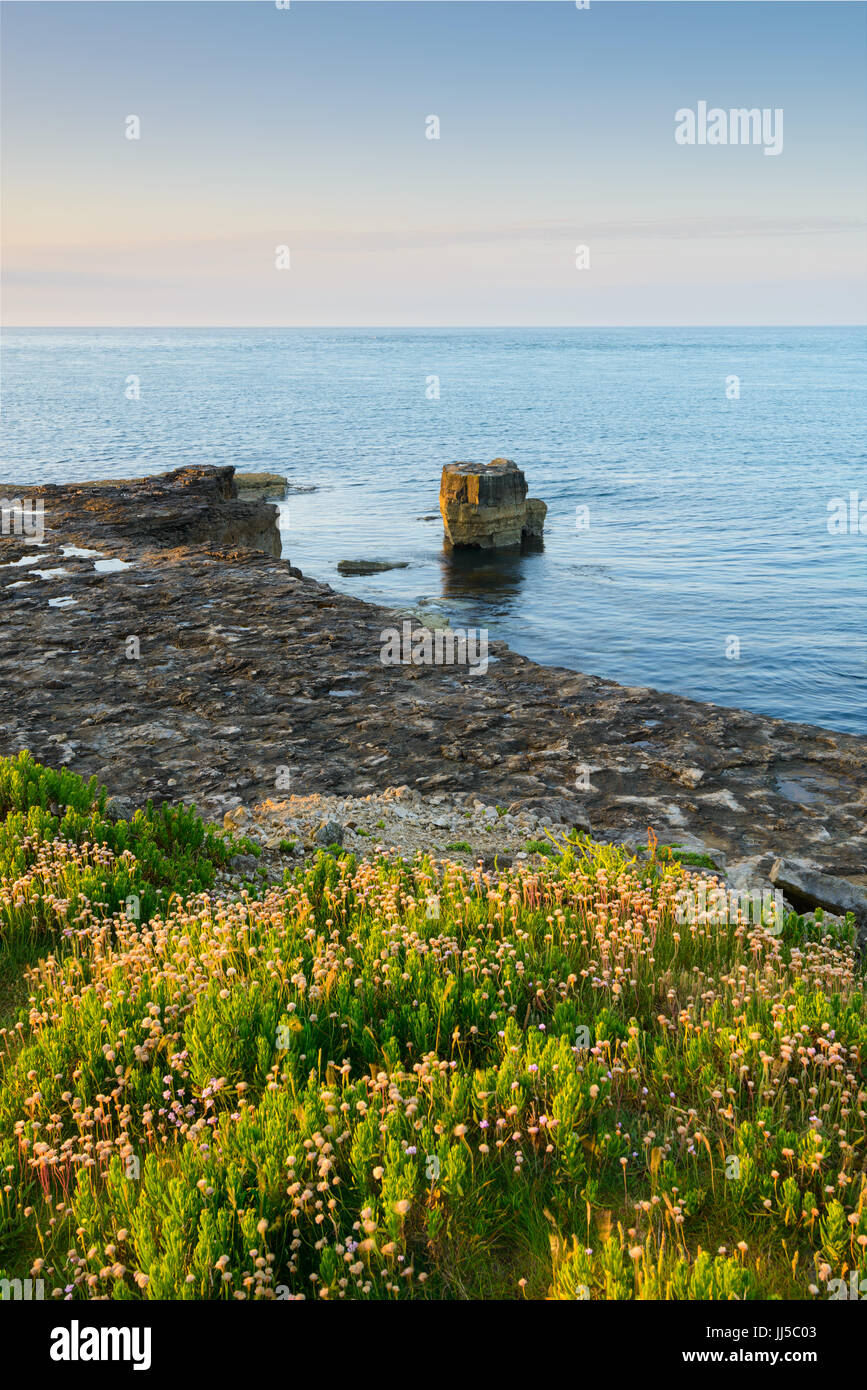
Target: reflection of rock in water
x=477, y=575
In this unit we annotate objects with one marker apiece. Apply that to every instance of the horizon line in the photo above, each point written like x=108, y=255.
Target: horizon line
x=390, y=327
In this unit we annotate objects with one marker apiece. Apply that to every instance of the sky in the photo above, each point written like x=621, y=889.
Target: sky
x=307, y=128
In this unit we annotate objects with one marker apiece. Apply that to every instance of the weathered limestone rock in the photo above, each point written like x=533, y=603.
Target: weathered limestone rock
x=370, y=566
x=558, y=810
x=188, y=506
x=331, y=833
x=804, y=883
x=537, y=510
x=486, y=505
x=266, y=485
x=120, y=808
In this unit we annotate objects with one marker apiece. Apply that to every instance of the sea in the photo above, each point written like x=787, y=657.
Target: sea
x=704, y=486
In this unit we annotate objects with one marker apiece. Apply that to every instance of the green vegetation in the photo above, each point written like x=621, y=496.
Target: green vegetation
x=385, y=1080
x=460, y=847
x=546, y=847
x=159, y=852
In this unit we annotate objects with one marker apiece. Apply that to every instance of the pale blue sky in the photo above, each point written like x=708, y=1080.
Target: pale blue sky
x=306, y=127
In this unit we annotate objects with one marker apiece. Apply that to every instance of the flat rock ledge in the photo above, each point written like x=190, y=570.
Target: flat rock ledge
x=201, y=666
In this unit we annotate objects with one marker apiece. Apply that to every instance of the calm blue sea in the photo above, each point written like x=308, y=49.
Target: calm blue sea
x=707, y=515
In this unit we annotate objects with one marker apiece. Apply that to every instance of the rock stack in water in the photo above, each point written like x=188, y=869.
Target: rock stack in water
x=486, y=505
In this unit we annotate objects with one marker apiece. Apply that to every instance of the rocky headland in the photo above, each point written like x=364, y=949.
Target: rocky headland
x=156, y=639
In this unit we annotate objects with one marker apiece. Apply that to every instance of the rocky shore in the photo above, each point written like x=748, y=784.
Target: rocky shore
x=200, y=665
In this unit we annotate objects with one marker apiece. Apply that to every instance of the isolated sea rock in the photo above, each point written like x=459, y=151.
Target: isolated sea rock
x=486, y=505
